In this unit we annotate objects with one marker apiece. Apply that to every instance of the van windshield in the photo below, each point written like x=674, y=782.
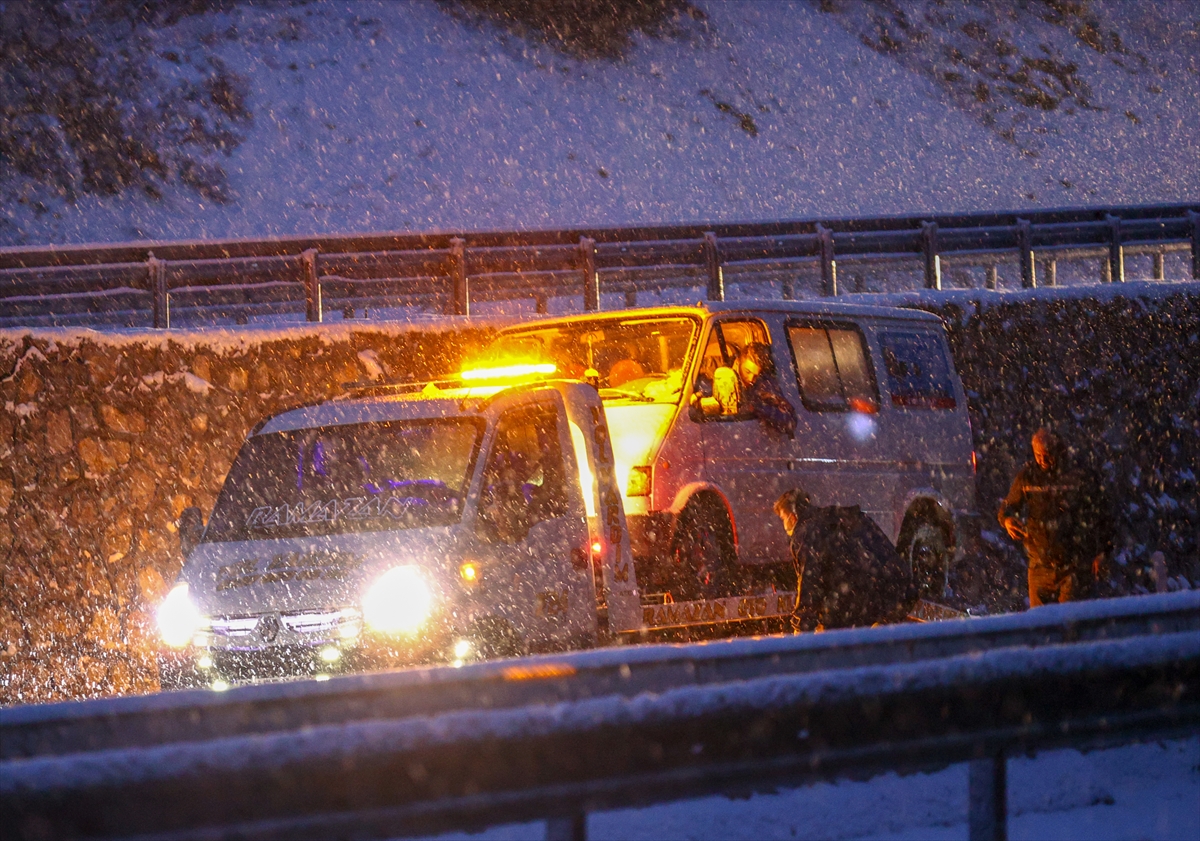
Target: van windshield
x=347, y=478
x=633, y=359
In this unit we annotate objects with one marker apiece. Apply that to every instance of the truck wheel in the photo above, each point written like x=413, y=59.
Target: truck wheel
x=702, y=553
x=927, y=556
x=176, y=673
x=493, y=638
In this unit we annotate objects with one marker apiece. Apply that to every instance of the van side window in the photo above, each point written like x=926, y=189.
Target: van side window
x=918, y=373
x=716, y=381
x=833, y=368
x=524, y=480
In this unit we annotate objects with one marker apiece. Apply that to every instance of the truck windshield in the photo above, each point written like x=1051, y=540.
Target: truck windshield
x=634, y=359
x=347, y=478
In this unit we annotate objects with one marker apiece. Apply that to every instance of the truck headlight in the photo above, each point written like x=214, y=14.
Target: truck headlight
x=178, y=617
x=399, y=601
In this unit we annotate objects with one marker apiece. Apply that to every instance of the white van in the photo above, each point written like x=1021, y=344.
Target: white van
x=881, y=422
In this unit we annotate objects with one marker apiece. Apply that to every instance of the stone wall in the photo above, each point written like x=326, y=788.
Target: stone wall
x=105, y=439
x=1116, y=371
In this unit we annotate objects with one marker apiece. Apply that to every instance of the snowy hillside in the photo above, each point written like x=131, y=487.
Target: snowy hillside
x=381, y=116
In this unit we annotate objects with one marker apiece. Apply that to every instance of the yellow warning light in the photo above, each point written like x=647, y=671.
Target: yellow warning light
x=469, y=572
x=509, y=372
x=597, y=548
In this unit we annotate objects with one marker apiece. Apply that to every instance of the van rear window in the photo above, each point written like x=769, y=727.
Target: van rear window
x=833, y=368
x=347, y=478
x=918, y=372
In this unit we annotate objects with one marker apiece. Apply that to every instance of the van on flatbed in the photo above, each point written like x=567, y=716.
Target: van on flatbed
x=881, y=423
x=573, y=487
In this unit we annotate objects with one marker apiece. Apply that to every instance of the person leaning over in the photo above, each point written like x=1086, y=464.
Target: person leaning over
x=848, y=574
x=1058, y=512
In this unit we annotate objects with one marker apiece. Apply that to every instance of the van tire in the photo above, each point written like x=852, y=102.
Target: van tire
x=925, y=552
x=702, y=557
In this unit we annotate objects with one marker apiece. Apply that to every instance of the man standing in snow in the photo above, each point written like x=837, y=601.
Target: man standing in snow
x=1060, y=516
x=848, y=574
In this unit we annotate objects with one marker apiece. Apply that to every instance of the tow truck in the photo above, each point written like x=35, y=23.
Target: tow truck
x=571, y=487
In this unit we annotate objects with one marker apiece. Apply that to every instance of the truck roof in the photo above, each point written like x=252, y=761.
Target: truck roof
x=417, y=404
x=702, y=309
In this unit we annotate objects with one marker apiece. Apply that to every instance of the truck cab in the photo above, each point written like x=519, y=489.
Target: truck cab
x=439, y=522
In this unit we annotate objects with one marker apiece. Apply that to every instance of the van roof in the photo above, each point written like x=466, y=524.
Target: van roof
x=705, y=308
x=415, y=405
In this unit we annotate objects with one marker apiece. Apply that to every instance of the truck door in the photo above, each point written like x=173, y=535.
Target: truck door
x=616, y=585
x=532, y=529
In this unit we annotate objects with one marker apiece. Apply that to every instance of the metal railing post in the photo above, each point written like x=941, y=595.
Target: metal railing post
x=1025, y=247
x=712, y=261
x=1160, y=266
x=828, y=263
x=987, y=793
x=993, y=276
x=573, y=828
x=460, y=294
x=933, y=263
x=312, y=287
x=591, y=282
x=1049, y=272
x=1116, y=252
x=1194, y=218
x=158, y=291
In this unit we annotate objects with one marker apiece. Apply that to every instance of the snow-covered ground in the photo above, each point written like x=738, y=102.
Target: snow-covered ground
x=381, y=116
x=1136, y=792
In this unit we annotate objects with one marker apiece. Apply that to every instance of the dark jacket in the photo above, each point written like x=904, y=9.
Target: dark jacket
x=1065, y=511
x=849, y=574
x=765, y=401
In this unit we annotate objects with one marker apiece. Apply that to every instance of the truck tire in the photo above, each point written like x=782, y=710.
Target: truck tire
x=175, y=673
x=702, y=553
x=493, y=638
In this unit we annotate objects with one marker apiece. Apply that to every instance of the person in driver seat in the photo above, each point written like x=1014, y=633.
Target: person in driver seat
x=761, y=396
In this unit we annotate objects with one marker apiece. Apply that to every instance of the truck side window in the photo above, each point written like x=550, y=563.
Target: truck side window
x=524, y=482
x=918, y=373
x=716, y=384
x=833, y=368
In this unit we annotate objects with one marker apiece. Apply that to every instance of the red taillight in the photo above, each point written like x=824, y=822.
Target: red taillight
x=974, y=463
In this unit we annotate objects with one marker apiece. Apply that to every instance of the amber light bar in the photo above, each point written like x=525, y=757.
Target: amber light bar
x=508, y=372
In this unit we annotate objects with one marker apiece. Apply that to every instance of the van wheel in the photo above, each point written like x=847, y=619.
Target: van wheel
x=928, y=558
x=702, y=554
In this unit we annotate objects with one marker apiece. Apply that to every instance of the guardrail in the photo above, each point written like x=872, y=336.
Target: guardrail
x=145, y=283
x=552, y=738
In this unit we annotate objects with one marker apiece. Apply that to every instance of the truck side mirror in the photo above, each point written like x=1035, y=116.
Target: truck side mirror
x=191, y=529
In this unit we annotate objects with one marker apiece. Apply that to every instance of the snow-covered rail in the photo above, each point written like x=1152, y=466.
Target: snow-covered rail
x=140, y=284
x=552, y=737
